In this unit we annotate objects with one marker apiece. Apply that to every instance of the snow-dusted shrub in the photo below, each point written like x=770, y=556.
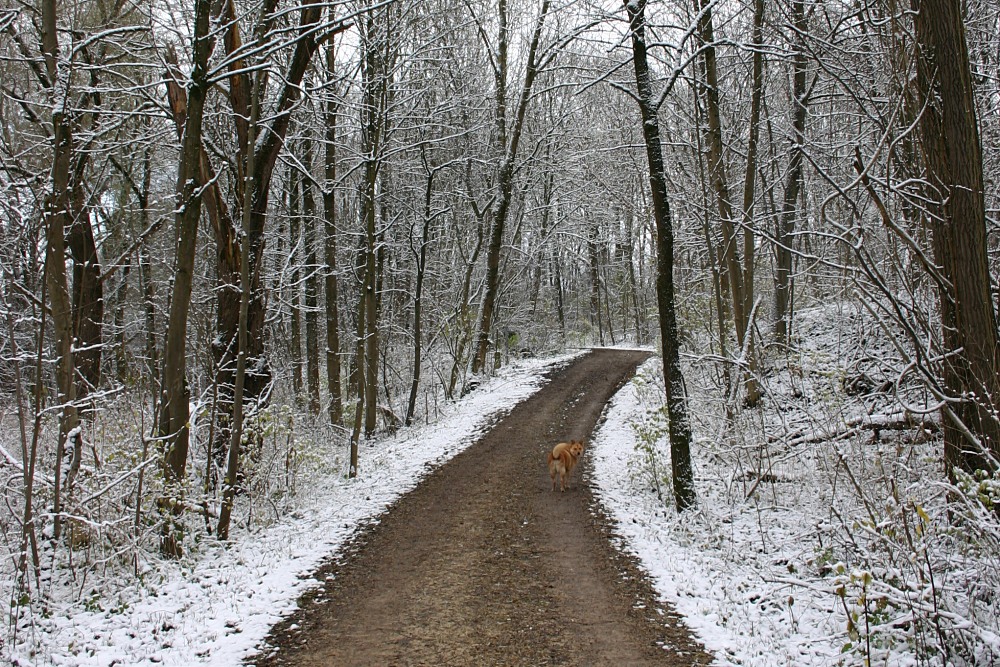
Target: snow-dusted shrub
x=826, y=511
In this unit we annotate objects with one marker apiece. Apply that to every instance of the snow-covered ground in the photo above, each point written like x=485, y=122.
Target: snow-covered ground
x=216, y=605
x=777, y=566
x=727, y=577
x=825, y=532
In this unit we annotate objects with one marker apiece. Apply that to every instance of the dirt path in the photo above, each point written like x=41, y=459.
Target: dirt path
x=482, y=564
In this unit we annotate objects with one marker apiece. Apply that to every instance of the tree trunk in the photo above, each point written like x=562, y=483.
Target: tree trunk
x=175, y=421
x=295, y=299
x=57, y=213
x=88, y=296
x=749, y=188
x=679, y=427
x=358, y=374
x=309, y=237
x=595, y=284
x=560, y=305
x=421, y=255
x=633, y=284
x=310, y=34
x=122, y=369
x=236, y=444
x=505, y=180
x=463, y=312
x=733, y=271
x=953, y=159
x=784, y=239
x=336, y=407
x=375, y=84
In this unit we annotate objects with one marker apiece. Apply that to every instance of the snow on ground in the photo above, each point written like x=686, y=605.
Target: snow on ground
x=735, y=591
x=754, y=569
x=214, y=607
x=823, y=533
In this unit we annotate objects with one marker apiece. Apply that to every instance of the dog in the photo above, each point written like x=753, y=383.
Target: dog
x=562, y=459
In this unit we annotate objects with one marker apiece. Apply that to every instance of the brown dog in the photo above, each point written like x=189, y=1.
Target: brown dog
x=562, y=459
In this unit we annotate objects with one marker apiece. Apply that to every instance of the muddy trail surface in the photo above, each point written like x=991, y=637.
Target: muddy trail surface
x=483, y=564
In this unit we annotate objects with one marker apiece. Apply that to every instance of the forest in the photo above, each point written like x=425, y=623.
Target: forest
x=243, y=240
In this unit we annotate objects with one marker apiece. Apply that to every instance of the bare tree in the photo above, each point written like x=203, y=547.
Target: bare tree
x=331, y=280
x=505, y=174
x=174, y=422
x=680, y=427
x=952, y=154
x=784, y=234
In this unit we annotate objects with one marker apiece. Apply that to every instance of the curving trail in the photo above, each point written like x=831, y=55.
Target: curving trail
x=482, y=564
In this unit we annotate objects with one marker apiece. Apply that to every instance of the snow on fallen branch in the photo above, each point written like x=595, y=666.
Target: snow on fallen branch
x=894, y=421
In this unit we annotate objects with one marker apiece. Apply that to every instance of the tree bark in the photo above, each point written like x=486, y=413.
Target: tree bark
x=679, y=424
x=230, y=480
x=375, y=73
x=733, y=270
x=310, y=34
x=953, y=160
x=505, y=180
x=633, y=284
x=784, y=234
x=295, y=299
x=421, y=255
x=310, y=239
x=333, y=371
x=594, y=261
x=88, y=296
x=57, y=215
x=174, y=421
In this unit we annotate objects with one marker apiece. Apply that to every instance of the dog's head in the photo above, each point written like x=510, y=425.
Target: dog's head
x=576, y=448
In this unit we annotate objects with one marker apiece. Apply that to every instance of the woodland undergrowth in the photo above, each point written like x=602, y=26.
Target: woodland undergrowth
x=907, y=562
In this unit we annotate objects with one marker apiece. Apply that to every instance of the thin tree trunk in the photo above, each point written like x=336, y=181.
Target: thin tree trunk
x=57, y=212
x=336, y=407
x=595, y=285
x=633, y=284
x=310, y=34
x=421, y=254
x=784, y=234
x=149, y=317
x=174, y=422
x=679, y=425
x=359, y=365
x=607, y=307
x=733, y=270
x=505, y=179
x=548, y=183
x=463, y=316
x=235, y=446
x=312, y=280
x=749, y=188
x=717, y=167
x=29, y=454
x=146, y=277
x=716, y=263
x=295, y=300
x=560, y=305
x=375, y=83
x=122, y=369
